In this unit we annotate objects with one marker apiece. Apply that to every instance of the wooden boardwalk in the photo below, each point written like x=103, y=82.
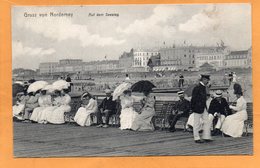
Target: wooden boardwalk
x=36, y=140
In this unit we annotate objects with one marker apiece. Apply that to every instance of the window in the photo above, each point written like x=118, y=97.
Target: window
x=184, y=55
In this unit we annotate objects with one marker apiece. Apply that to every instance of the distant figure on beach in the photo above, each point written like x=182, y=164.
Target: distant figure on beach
x=181, y=80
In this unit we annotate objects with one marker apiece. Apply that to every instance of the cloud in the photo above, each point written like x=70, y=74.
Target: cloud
x=206, y=19
x=61, y=29
x=156, y=24
x=20, y=50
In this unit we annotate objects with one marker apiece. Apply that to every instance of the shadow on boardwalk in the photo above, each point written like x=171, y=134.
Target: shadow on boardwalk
x=36, y=140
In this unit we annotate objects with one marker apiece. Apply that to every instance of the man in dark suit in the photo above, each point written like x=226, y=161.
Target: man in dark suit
x=199, y=108
x=107, y=107
x=218, y=109
x=182, y=109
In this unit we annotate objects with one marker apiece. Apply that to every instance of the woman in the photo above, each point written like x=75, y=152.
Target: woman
x=233, y=124
x=89, y=106
x=62, y=105
x=143, y=121
x=43, y=101
x=18, y=108
x=128, y=114
x=30, y=105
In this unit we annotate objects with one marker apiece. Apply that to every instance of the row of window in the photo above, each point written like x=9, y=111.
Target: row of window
x=215, y=57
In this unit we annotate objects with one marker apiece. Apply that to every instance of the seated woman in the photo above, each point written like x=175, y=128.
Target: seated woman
x=62, y=105
x=143, y=121
x=30, y=105
x=233, y=124
x=128, y=114
x=43, y=101
x=18, y=108
x=89, y=106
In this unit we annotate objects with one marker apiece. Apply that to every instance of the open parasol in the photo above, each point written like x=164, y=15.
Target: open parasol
x=143, y=85
x=60, y=84
x=120, y=89
x=34, y=87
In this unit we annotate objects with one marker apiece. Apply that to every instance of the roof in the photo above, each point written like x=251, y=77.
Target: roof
x=206, y=65
x=242, y=52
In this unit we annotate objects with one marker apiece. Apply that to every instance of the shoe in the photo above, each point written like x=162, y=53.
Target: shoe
x=26, y=121
x=172, y=130
x=100, y=125
x=207, y=140
x=105, y=126
x=199, y=141
x=216, y=132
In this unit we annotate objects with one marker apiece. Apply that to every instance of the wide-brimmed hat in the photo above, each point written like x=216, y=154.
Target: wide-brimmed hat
x=85, y=94
x=218, y=93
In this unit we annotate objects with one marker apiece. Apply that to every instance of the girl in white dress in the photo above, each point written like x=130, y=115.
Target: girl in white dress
x=89, y=106
x=128, y=114
x=233, y=124
x=18, y=108
x=44, y=101
x=62, y=106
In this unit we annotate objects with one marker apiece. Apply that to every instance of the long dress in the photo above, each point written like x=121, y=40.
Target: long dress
x=57, y=115
x=233, y=124
x=128, y=114
x=19, y=107
x=82, y=116
x=44, y=101
x=143, y=121
x=47, y=111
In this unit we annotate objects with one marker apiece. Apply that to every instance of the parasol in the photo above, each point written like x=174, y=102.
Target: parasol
x=48, y=88
x=60, y=84
x=120, y=89
x=34, y=87
x=143, y=85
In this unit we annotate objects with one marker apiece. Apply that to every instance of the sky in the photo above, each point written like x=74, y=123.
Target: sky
x=84, y=35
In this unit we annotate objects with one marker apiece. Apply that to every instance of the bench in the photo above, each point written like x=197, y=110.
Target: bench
x=249, y=121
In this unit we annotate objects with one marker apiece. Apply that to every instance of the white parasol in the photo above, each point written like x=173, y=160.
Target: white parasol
x=60, y=84
x=48, y=88
x=120, y=89
x=36, y=86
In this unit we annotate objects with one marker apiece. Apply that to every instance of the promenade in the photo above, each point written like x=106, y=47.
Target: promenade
x=37, y=140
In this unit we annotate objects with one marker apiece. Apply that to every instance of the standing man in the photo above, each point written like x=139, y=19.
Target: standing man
x=181, y=80
x=68, y=79
x=107, y=107
x=182, y=109
x=199, y=108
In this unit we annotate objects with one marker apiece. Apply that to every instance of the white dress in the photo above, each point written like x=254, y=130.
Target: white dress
x=19, y=107
x=44, y=101
x=82, y=116
x=233, y=124
x=57, y=115
x=128, y=114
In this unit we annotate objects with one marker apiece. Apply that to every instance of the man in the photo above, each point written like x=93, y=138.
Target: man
x=107, y=107
x=218, y=109
x=181, y=80
x=182, y=109
x=68, y=79
x=199, y=108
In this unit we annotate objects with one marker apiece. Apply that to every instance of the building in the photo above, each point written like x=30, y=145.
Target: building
x=126, y=60
x=107, y=66
x=48, y=67
x=239, y=59
x=183, y=57
x=215, y=58
x=141, y=57
x=69, y=65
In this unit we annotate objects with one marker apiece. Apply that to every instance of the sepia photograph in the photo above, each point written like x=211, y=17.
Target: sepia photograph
x=132, y=80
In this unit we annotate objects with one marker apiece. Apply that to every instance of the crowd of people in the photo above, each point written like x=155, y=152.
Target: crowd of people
x=210, y=113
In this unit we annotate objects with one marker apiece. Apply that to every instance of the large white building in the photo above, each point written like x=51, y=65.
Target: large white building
x=239, y=59
x=48, y=67
x=215, y=57
x=141, y=56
